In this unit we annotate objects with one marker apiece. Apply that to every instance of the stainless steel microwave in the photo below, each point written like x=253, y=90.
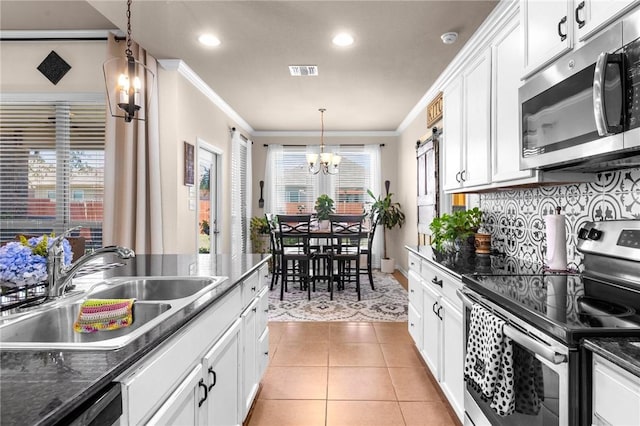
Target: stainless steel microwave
x=583, y=112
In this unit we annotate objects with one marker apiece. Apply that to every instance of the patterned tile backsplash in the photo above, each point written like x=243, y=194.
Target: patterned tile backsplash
x=515, y=218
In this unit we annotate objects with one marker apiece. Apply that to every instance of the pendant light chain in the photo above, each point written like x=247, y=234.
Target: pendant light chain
x=128, y=51
x=322, y=110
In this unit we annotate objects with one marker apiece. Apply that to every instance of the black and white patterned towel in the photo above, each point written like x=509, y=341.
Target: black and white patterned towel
x=488, y=365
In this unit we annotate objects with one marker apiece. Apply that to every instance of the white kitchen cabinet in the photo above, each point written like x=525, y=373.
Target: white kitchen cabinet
x=436, y=311
x=157, y=377
x=221, y=368
x=452, y=148
x=183, y=405
x=467, y=122
x=547, y=31
x=591, y=16
x=209, y=372
x=452, y=376
x=615, y=394
x=553, y=27
x=415, y=305
x=506, y=70
x=255, y=339
x=432, y=331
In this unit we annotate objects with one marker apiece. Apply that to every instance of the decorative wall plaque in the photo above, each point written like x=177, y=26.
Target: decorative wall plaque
x=54, y=67
x=434, y=110
x=189, y=164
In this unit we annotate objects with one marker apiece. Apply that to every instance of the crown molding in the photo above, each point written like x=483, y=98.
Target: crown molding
x=40, y=35
x=503, y=13
x=287, y=134
x=184, y=70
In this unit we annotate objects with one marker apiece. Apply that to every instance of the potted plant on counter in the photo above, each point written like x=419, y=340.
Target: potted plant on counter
x=455, y=231
x=259, y=234
x=388, y=214
x=324, y=207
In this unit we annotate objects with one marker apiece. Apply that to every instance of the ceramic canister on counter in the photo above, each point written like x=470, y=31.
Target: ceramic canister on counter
x=483, y=243
x=556, y=241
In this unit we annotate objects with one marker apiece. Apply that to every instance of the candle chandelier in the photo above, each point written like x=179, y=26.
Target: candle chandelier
x=329, y=162
x=125, y=79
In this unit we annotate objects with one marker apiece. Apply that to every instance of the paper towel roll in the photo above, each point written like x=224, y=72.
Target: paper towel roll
x=556, y=242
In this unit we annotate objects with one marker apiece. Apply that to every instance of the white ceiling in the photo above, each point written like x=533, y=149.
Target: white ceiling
x=369, y=86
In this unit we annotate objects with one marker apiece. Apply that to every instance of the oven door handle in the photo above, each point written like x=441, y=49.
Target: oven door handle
x=521, y=338
x=533, y=345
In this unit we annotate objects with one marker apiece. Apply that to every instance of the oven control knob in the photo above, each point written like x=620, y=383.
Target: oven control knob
x=594, y=234
x=583, y=233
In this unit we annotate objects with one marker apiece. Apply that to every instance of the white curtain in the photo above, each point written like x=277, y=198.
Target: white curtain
x=132, y=194
x=272, y=176
x=375, y=179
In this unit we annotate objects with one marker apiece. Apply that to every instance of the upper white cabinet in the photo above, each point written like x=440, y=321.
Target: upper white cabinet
x=506, y=70
x=547, y=31
x=553, y=27
x=467, y=123
x=592, y=15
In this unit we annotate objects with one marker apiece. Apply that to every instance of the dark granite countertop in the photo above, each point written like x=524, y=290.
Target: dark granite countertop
x=462, y=263
x=622, y=351
x=48, y=387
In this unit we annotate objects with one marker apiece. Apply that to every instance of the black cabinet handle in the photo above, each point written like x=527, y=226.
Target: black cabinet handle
x=255, y=309
x=253, y=288
x=433, y=308
x=215, y=378
x=458, y=177
x=580, y=22
x=462, y=173
x=438, y=313
x=436, y=281
x=560, y=23
x=203, y=386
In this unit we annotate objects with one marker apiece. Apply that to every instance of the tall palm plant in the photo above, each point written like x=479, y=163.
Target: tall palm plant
x=386, y=213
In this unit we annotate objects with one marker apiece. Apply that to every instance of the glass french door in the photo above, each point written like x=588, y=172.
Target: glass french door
x=207, y=206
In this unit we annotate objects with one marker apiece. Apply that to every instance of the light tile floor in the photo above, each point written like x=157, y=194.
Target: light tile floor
x=347, y=373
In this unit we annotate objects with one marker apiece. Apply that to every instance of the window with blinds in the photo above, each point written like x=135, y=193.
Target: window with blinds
x=52, y=168
x=240, y=179
x=297, y=189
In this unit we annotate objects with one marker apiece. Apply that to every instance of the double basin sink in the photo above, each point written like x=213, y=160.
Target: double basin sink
x=50, y=326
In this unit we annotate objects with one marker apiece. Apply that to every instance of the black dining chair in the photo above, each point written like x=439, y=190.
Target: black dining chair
x=368, y=252
x=346, y=233
x=274, y=249
x=293, y=237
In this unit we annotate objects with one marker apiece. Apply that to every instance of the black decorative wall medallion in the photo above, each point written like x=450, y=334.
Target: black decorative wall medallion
x=54, y=67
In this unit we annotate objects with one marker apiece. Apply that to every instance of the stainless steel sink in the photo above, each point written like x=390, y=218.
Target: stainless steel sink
x=153, y=288
x=51, y=326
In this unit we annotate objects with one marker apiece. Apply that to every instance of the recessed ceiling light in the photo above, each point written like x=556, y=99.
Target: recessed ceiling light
x=209, y=40
x=343, y=39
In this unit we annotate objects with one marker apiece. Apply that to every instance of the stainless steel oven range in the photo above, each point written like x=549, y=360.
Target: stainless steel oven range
x=547, y=315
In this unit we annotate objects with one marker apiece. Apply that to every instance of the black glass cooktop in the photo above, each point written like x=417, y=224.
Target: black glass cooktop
x=569, y=306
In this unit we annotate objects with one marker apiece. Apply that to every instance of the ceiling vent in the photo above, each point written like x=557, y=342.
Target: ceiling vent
x=303, y=70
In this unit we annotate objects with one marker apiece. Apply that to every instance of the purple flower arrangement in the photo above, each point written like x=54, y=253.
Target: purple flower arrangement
x=25, y=262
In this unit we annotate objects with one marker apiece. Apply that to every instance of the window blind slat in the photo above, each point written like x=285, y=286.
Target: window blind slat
x=52, y=168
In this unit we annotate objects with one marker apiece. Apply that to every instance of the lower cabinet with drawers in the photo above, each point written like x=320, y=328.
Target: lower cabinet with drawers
x=209, y=372
x=435, y=323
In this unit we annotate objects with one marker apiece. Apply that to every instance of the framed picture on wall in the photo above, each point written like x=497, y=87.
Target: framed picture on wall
x=189, y=168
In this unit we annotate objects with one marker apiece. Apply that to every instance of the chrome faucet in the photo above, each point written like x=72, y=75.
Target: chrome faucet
x=58, y=277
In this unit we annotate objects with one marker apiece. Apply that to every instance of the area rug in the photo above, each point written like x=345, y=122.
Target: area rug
x=388, y=302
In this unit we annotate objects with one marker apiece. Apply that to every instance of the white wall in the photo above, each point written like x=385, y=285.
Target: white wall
x=19, y=62
x=186, y=115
